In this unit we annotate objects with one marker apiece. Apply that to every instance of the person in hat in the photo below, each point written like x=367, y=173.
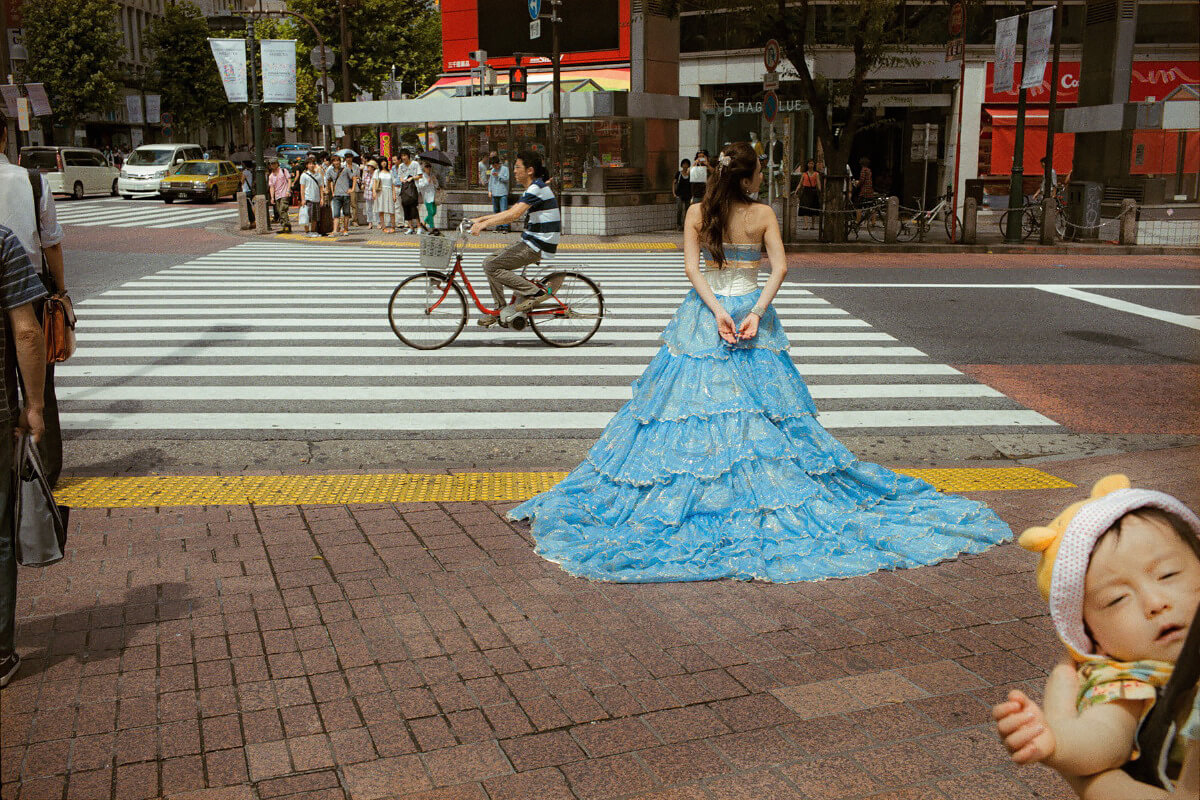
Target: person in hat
x=1121, y=572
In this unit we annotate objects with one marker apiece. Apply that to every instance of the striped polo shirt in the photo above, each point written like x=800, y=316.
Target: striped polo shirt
x=19, y=284
x=544, y=223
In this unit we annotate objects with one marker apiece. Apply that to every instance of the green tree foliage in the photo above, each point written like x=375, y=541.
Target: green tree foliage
x=406, y=33
x=74, y=48
x=182, y=67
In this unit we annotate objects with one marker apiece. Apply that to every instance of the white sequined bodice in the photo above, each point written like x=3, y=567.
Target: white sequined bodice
x=732, y=281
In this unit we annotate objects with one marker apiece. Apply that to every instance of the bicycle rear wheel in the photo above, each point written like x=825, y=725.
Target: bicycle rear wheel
x=426, y=313
x=875, y=223
x=578, y=321
x=958, y=230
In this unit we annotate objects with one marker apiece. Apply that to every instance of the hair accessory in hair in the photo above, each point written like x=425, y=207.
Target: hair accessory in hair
x=1066, y=544
x=725, y=159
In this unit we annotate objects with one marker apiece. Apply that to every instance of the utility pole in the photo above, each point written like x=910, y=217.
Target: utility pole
x=1016, y=185
x=556, y=115
x=260, y=175
x=1049, y=188
x=344, y=45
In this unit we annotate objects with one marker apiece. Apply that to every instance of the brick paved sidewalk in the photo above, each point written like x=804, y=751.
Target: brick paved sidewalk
x=423, y=651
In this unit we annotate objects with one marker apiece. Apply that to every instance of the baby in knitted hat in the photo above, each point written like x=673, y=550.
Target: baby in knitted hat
x=1121, y=571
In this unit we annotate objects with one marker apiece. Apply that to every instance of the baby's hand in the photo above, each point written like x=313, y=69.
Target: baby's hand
x=1023, y=728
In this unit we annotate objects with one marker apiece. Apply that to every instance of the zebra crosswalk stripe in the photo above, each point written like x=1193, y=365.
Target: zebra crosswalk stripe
x=154, y=213
x=284, y=340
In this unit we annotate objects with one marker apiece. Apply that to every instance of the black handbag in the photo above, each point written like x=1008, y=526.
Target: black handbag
x=408, y=193
x=39, y=523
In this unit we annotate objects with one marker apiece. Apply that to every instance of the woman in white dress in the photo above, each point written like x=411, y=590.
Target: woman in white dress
x=385, y=204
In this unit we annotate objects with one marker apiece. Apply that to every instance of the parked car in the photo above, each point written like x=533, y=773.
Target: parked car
x=77, y=171
x=201, y=180
x=146, y=166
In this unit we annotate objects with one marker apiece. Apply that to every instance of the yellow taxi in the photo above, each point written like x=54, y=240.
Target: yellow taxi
x=201, y=180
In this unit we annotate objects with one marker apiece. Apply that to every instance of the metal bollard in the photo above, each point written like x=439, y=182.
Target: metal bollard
x=360, y=208
x=1129, y=221
x=243, y=212
x=970, y=220
x=260, y=214
x=891, y=224
x=1049, y=215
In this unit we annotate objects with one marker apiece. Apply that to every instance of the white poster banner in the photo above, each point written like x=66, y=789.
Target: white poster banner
x=279, y=70
x=154, y=108
x=38, y=101
x=1037, y=47
x=11, y=93
x=1006, y=53
x=133, y=109
x=231, y=63
x=289, y=119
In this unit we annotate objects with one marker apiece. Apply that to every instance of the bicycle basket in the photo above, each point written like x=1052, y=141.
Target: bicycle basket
x=436, y=251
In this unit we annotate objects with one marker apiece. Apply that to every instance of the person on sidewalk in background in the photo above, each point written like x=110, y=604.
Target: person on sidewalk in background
x=698, y=175
x=385, y=198
x=809, y=191
x=32, y=218
x=19, y=289
x=1121, y=571
x=485, y=165
x=368, y=186
x=682, y=189
x=540, y=237
x=279, y=185
x=408, y=198
x=338, y=183
x=427, y=185
x=498, y=189
x=310, y=192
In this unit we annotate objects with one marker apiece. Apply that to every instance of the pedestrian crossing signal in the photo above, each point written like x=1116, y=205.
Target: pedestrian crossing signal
x=518, y=90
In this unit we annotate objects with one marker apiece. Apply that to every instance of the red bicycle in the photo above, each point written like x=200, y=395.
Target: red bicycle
x=429, y=310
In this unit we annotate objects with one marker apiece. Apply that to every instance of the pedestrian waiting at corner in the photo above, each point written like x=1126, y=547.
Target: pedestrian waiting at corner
x=279, y=188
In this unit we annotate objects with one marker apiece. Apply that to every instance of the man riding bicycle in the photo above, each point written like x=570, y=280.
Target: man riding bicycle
x=540, y=238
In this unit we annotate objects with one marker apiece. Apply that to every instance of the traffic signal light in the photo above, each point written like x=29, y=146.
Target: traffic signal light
x=518, y=89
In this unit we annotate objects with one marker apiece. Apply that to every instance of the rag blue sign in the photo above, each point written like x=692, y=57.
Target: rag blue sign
x=535, y=8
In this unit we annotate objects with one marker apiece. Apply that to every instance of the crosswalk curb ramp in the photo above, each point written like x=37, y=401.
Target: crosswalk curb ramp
x=349, y=489
x=275, y=340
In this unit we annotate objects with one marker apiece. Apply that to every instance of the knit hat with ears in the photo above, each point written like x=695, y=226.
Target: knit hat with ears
x=1066, y=544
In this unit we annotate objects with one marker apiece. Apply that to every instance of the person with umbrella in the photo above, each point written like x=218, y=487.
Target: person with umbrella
x=405, y=177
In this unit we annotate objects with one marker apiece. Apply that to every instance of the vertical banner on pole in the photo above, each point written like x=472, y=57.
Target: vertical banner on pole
x=22, y=113
x=385, y=144
x=231, y=63
x=154, y=108
x=1037, y=47
x=278, y=70
x=39, y=103
x=133, y=109
x=1006, y=53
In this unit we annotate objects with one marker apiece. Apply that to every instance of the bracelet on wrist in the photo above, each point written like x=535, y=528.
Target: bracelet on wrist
x=760, y=310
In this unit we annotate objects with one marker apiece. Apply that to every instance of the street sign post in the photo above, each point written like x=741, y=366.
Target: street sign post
x=956, y=19
x=955, y=49
x=319, y=54
x=770, y=81
x=772, y=55
x=770, y=106
x=535, y=8
x=535, y=29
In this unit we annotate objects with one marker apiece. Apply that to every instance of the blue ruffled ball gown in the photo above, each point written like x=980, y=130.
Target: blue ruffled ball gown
x=718, y=468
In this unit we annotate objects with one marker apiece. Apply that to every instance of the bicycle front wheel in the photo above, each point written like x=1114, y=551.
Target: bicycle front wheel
x=425, y=312
x=576, y=315
x=875, y=224
x=957, y=234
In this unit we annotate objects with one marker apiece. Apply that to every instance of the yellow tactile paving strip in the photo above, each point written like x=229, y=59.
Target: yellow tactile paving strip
x=288, y=490
x=485, y=245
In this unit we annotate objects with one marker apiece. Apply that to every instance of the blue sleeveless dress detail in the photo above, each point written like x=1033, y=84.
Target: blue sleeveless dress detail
x=718, y=468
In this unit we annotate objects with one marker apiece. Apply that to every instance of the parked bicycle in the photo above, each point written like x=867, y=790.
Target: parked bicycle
x=429, y=310
x=921, y=221
x=1031, y=219
x=869, y=217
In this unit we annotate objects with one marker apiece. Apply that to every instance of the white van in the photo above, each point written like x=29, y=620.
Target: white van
x=149, y=164
x=77, y=171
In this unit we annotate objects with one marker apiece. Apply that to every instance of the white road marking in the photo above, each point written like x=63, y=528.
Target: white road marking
x=1124, y=305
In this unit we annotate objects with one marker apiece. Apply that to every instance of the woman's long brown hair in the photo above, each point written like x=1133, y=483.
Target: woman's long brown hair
x=724, y=191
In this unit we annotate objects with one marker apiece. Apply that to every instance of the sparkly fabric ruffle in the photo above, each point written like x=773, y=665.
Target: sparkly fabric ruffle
x=717, y=468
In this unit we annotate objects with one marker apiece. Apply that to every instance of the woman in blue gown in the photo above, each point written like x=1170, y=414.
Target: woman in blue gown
x=718, y=468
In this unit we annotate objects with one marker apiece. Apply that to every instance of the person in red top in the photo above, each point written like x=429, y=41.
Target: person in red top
x=279, y=187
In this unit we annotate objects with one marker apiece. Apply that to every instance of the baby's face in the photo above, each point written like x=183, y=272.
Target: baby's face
x=1141, y=592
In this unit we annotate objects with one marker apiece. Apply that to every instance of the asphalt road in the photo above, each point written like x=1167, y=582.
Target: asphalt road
x=1110, y=368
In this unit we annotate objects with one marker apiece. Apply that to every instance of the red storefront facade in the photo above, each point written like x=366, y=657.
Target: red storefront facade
x=1154, y=152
